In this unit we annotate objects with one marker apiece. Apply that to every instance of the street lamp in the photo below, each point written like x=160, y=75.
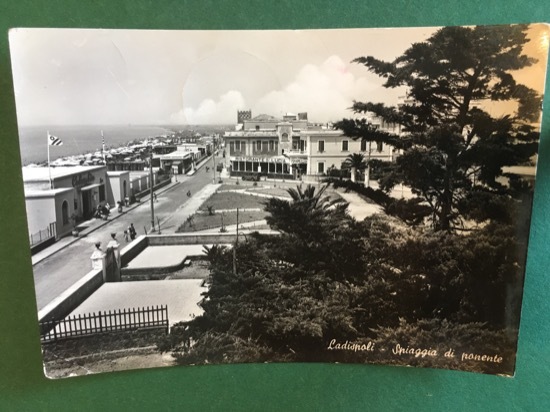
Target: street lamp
x=214, y=161
x=151, y=184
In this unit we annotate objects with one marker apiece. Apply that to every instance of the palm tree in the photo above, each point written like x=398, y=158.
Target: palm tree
x=355, y=162
x=307, y=211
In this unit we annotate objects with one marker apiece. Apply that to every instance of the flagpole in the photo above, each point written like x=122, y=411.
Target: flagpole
x=103, y=147
x=49, y=169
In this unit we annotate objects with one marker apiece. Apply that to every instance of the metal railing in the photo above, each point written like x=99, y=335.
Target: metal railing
x=43, y=235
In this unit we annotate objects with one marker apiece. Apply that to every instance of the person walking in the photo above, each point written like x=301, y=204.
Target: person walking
x=132, y=231
x=113, y=243
x=97, y=257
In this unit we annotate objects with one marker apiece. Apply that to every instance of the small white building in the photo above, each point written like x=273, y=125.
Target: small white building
x=73, y=194
x=177, y=162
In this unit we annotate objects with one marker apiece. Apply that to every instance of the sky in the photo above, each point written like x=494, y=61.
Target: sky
x=100, y=77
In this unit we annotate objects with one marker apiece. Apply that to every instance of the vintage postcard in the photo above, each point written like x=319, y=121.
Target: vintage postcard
x=341, y=196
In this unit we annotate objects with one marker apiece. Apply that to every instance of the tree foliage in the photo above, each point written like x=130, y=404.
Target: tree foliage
x=452, y=148
x=355, y=162
x=351, y=281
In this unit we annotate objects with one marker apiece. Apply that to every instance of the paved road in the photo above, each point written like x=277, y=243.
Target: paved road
x=55, y=274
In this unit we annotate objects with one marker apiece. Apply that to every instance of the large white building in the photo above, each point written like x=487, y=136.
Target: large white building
x=292, y=147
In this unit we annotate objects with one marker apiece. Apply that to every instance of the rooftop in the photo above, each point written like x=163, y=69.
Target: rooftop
x=35, y=194
x=265, y=118
x=323, y=132
x=40, y=174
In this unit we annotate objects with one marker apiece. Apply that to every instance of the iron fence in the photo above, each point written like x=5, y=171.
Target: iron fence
x=111, y=321
x=43, y=235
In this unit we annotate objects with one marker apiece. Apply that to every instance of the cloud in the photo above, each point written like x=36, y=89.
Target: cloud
x=222, y=111
x=325, y=91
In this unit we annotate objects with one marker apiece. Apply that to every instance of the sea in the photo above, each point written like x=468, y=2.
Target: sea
x=79, y=139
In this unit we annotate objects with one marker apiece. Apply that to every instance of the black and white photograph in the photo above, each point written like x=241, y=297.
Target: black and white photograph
x=261, y=196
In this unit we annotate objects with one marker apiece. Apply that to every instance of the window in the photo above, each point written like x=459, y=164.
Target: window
x=257, y=127
x=321, y=145
x=321, y=167
x=237, y=146
x=363, y=145
x=65, y=212
x=344, y=145
x=271, y=145
x=258, y=145
x=379, y=146
x=243, y=145
x=264, y=146
x=231, y=147
x=284, y=137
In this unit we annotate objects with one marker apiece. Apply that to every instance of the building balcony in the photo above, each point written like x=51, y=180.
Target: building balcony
x=296, y=153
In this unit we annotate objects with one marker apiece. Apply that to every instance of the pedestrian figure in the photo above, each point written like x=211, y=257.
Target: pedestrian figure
x=113, y=243
x=132, y=231
x=188, y=193
x=126, y=237
x=154, y=196
x=97, y=257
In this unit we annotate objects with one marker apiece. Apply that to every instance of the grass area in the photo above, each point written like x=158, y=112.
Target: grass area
x=271, y=191
x=205, y=221
x=97, y=344
x=232, y=201
x=105, y=352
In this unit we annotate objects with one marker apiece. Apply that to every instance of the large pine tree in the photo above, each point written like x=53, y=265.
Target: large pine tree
x=453, y=150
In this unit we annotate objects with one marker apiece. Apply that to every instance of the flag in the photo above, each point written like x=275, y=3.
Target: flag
x=54, y=141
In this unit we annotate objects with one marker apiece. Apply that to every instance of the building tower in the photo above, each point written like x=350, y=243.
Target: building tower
x=243, y=115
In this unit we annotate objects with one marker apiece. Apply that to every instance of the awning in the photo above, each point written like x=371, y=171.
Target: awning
x=90, y=187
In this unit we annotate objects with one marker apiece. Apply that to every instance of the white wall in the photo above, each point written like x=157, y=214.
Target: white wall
x=63, y=229
x=334, y=155
x=40, y=213
x=115, y=187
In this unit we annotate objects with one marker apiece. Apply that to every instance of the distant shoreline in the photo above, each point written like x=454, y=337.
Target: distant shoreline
x=84, y=139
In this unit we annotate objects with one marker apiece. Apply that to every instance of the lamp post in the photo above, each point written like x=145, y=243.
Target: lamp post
x=152, y=191
x=214, y=160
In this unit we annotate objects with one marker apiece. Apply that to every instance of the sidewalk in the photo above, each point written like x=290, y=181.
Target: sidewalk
x=245, y=227
x=89, y=226
x=358, y=208
x=191, y=206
